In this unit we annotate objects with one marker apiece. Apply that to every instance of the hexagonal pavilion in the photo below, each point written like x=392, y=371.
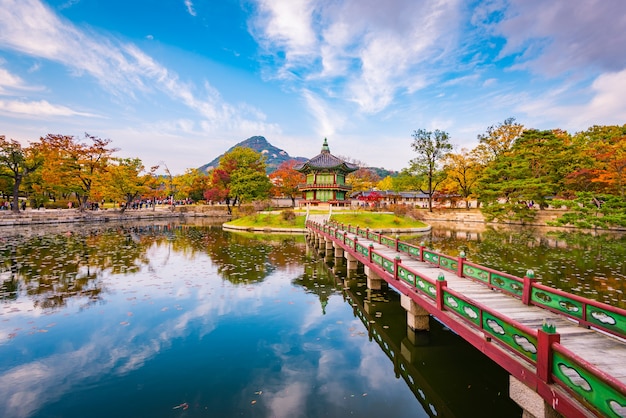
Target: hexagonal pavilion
x=325, y=179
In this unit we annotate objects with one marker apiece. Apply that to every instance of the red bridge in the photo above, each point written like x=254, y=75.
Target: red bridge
x=564, y=353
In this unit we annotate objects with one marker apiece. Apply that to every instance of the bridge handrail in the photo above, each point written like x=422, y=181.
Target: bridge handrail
x=602, y=316
x=553, y=362
x=586, y=312
x=586, y=381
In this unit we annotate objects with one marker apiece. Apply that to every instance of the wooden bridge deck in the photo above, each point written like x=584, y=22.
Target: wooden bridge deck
x=606, y=352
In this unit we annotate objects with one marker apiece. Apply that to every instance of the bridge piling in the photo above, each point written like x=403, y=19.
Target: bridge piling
x=417, y=318
x=352, y=262
x=374, y=281
x=532, y=404
x=338, y=250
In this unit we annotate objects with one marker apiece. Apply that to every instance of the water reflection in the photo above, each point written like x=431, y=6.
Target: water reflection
x=447, y=376
x=143, y=319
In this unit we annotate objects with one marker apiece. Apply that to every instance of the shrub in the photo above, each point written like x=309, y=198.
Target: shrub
x=288, y=214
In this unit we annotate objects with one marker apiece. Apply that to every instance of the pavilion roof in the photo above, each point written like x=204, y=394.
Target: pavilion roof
x=325, y=160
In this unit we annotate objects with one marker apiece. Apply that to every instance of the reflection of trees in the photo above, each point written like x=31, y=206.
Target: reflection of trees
x=318, y=280
x=55, y=267
x=244, y=258
x=52, y=267
x=590, y=265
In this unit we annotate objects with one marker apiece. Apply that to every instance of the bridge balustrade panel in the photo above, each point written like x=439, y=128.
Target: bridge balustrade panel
x=585, y=311
x=587, y=382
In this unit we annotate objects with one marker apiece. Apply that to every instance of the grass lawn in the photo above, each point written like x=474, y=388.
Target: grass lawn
x=370, y=220
x=374, y=220
x=268, y=220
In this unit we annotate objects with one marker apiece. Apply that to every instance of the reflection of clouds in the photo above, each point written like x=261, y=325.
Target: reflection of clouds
x=27, y=387
x=313, y=371
x=289, y=400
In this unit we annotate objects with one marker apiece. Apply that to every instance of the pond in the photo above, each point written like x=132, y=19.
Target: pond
x=176, y=320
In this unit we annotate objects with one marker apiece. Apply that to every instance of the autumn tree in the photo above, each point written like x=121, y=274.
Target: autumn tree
x=16, y=163
x=462, y=171
x=239, y=177
x=603, y=153
x=285, y=181
x=191, y=184
x=71, y=166
x=498, y=139
x=432, y=148
x=125, y=179
x=362, y=179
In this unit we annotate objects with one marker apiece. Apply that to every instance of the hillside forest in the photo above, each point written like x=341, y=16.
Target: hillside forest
x=512, y=172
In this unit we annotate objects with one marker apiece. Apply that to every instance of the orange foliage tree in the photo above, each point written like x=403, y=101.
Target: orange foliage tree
x=285, y=181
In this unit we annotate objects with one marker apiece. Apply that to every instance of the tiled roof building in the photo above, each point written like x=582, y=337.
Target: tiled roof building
x=325, y=178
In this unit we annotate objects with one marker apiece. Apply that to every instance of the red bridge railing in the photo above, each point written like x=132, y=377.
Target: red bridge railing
x=542, y=348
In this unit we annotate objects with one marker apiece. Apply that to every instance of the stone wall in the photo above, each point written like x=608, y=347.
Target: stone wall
x=59, y=216
x=474, y=215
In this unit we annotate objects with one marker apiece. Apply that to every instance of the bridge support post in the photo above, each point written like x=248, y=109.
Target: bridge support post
x=533, y=405
x=374, y=282
x=329, y=244
x=352, y=261
x=417, y=318
x=338, y=251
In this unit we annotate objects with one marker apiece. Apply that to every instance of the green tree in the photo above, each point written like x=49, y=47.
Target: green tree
x=432, y=148
x=16, y=163
x=239, y=177
x=498, y=139
x=589, y=210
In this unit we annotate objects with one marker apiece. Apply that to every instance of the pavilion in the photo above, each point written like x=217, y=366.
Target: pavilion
x=325, y=179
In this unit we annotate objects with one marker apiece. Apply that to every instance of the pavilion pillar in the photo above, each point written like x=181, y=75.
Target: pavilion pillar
x=417, y=318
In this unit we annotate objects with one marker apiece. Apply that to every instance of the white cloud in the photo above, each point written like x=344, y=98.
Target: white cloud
x=38, y=108
x=553, y=38
x=10, y=80
x=377, y=54
x=190, y=8
x=29, y=27
x=606, y=104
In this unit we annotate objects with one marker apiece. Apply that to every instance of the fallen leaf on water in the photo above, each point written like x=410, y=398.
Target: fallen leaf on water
x=253, y=402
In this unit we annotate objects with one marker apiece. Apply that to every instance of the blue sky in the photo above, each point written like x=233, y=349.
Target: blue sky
x=180, y=81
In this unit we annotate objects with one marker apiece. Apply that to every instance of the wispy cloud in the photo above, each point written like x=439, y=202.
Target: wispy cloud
x=38, y=108
x=29, y=27
x=190, y=8
x=367, y=56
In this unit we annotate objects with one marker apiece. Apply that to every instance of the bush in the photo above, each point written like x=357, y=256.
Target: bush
x=288, y=214
x=59, y=204
x=243, y=210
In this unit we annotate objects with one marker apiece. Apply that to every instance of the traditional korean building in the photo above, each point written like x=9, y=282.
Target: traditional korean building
x=325, y=179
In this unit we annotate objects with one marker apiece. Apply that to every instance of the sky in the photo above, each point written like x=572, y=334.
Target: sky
x=179, y=82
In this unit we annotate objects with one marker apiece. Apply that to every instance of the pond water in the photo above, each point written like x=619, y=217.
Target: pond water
x=174, y=320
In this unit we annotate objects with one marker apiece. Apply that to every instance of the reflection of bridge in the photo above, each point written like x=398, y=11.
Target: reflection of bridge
x=578, y=371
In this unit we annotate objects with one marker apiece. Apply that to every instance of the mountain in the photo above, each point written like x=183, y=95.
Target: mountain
x=273, y=156
x=276, y=156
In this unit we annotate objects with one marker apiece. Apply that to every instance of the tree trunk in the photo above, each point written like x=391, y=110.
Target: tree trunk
x=16, y=192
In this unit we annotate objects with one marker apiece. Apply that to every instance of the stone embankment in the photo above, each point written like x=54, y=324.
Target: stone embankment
x=60, y=216
x=464, y=216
